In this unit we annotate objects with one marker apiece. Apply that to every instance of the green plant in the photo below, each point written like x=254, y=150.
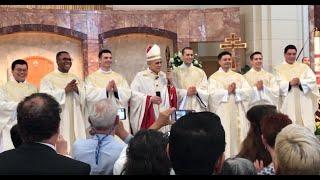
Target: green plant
x=245, y=69
x=176, y=60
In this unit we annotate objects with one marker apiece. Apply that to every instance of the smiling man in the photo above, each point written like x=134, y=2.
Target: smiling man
x=11, y=94
x=298, y=89
x=192, y=83
x=265, y=87
x=68, y=90
x=229, y=95
x=106, y=83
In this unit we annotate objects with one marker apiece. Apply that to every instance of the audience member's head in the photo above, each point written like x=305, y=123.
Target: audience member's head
x=252, y=146
x=38, y=118
x=238, y=166
x=15, y=136
x=197, y=144
x=271, y=126
x=297, y=151
x=103, y=117
x=146, y=154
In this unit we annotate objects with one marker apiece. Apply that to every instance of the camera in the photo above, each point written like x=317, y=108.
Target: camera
x=122, y=113
x=177, y=114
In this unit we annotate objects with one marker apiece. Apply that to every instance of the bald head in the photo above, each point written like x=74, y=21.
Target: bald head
x=38, y=117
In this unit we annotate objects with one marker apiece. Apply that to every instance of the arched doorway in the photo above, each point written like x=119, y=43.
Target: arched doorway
x=38, y=67
x=128, y=46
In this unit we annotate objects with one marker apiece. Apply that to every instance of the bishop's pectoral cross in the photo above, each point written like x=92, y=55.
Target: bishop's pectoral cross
x=233, y=43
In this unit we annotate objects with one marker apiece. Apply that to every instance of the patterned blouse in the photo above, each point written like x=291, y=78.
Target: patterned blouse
x=269, y=170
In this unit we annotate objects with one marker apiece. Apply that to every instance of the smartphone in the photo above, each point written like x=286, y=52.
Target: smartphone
x=176, y=115
x=122, y=113
x=158, y=93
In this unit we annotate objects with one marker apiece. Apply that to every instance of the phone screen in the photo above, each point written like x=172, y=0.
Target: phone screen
x=122, y=113
x=179, y=113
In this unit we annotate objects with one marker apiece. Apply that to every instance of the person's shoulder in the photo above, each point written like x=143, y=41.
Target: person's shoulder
x=8, y=153
x=213, y=76
x=50, y=74
x=7, y=156
x=74, y=164
x=82, y=143
x=74, y=76
x=142, y=73
x=93, y=74
x=117, y=144
x=31, y=86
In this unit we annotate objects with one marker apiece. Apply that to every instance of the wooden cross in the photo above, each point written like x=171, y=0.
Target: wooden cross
x=233, y=43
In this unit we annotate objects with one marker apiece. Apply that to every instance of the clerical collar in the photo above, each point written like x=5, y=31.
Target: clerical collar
x=21, y=81
x=252, y=69
x=186, y=66
x=57, y=70
x=221, y=70
x=285, y=62
x=150, y=71
x=103, y=71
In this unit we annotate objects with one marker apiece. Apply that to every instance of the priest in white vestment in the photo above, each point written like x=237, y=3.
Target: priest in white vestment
x=191, y=83
x=264, y=84
x=106, y=83
x=152, y=83
x=69, y=91
x=298, y=89
x=229, y=95
x=11, y=94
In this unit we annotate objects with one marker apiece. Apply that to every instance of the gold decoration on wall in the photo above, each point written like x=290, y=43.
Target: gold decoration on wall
x=61, y=7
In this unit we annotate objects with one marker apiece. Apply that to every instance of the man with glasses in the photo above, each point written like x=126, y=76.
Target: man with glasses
x=68, y=90
x=11, y=94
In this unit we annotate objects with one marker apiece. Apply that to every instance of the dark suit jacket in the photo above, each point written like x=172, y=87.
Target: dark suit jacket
x=36, y=158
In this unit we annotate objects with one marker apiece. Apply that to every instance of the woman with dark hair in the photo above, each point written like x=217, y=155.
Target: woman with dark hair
x=252, y=146
x=270, y=128
x=146, y=154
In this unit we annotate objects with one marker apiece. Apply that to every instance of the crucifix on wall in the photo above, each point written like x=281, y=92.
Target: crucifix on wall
x=232, y=42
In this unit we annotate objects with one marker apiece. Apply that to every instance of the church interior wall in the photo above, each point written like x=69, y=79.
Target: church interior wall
x=191, y=25
x=26, y=44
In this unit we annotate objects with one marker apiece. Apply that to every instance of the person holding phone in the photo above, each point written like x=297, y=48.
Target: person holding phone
x=152, y=83
x=103, y=149
x=69, y=91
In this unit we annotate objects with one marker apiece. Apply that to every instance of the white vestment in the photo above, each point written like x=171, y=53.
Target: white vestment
x=185, y=76
x=148, y=83
x=299, y=105
x=72, y=125
x=11, y=94
x=270, y=92
x=96, y=84
x=231, y=108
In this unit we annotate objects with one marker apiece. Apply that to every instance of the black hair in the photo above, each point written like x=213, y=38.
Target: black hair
x=146, y=154
x=254, y=53
x=104, y=51
x=38, y=117
x=196, y=142
x=223, y=53
x=18, y=61
x=15, y=136
x=289, y=47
